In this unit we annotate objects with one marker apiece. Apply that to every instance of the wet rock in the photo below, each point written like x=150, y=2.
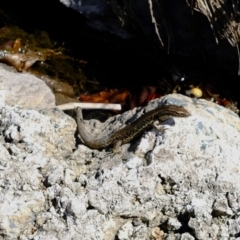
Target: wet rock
x=173, y=26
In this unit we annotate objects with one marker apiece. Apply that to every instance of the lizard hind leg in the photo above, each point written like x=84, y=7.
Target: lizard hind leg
x=158, y=127
x=116, y=146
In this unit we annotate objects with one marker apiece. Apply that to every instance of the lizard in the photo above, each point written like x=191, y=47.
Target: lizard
x=131, y=131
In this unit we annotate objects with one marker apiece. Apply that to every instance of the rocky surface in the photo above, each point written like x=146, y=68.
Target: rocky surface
x=24, y=89
x=182, y=183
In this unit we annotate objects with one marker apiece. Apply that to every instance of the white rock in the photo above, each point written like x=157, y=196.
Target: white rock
x=24, y=89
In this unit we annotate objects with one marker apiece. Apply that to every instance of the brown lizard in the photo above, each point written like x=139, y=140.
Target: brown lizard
x=131, y=131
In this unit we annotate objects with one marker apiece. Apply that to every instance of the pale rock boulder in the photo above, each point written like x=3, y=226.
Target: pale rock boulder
x=182, y=183
x=24, y=89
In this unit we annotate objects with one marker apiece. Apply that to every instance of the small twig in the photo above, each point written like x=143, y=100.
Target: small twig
x=107, y=106
x=154, y=21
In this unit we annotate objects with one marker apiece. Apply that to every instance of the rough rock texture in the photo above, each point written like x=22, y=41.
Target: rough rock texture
x=179, y=184
x=25, y=89
x=30, y=143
